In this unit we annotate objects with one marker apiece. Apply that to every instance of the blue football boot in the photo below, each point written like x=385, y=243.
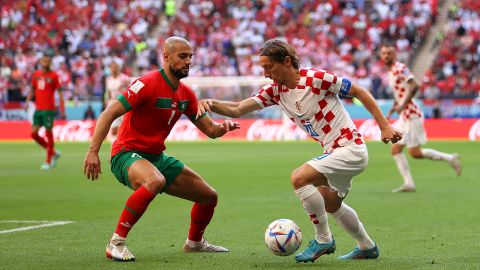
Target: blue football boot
x=358, y=254
x=315, y=250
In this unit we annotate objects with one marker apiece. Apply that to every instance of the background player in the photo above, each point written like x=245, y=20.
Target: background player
x=152, y=105
x=404, y=88
x=44, y=84
x=310, y=98
x=115, y=84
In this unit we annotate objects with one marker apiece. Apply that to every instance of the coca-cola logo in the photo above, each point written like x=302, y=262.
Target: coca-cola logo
x=370, y=130
x=263, y=130
x=74, y=131
x=474, y=133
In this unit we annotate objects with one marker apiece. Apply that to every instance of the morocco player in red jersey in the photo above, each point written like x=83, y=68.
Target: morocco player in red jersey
x=404, y=88
x=45, y=82
x=311, y=99
x=152, y=105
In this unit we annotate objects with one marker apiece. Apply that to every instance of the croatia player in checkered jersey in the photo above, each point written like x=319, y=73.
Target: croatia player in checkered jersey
x=311, y=100
x=404, y=87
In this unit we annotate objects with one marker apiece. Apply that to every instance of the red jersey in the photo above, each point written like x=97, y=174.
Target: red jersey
x=44, y=85
x=153, y=107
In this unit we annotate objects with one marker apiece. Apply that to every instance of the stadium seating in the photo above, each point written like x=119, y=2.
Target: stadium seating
x=455, y=71
x=342, y=36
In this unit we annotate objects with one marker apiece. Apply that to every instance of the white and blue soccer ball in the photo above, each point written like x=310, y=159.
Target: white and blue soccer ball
x=283, y=237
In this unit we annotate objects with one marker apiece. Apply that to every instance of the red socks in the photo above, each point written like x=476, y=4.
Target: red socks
x=41, y=141
x=50, y=151
x=135, y=206
x=201, y=215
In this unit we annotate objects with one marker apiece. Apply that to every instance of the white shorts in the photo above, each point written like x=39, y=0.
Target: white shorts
x=413, y=132
x=117, y=122
x=340, y=166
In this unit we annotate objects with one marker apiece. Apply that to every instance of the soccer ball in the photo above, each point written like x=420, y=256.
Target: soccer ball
x=283, y=237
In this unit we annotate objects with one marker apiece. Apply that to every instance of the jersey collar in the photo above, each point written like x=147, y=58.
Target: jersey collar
x=164, y=75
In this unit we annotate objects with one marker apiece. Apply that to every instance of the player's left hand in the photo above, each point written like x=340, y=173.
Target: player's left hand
x=390, y=134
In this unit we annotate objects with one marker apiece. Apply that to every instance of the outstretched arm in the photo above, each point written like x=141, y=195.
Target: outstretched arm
x=227, y=108
x=388, y=132
x=91, y=165
x=213, y=129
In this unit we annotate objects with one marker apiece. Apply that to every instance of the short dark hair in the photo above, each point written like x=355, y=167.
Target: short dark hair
x=388, y=44
x=277, y=50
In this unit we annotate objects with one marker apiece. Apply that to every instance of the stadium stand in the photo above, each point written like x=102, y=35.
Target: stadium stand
x=455, y=71
x=342, y=36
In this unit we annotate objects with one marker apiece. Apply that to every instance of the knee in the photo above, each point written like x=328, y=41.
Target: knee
x=331, y=206
x=212, y=197
x=416, y=155
x=155, y=184
x=296, y=180
x=395, y=151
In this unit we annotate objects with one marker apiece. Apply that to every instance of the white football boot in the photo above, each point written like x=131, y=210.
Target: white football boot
x=202, y=246
x=117, y=251
x=45, y=166
x=456, y=165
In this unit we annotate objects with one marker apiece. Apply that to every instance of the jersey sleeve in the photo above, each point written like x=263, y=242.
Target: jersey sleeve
x=327, y=81
x=267, y=96
x=192, y=106
x=134, y=95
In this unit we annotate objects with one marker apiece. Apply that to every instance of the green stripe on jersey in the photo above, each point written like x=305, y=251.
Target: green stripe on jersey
x=164, y=103
x=124, y=102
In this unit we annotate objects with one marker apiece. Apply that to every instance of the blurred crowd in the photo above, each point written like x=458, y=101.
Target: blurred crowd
x=85, y=37
x=455, y=71
x=341, y=36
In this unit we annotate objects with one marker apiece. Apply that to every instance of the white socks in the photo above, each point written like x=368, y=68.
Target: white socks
x=436, y=155
x=347, y=218
x=314, y=204
x=402, y=165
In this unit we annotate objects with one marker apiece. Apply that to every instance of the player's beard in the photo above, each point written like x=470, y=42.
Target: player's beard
x=180, y=73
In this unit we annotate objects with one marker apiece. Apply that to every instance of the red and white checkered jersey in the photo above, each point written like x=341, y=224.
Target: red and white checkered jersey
x=115, y=86
x=314, y=105
x=398, y=78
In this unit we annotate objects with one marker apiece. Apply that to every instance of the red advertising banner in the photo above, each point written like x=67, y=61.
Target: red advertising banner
x=251, y=130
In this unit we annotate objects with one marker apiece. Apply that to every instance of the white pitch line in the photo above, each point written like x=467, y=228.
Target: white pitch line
x=26, y=221
x=50, y=224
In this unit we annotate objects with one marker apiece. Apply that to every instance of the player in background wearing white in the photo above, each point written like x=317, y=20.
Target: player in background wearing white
x=115, y=83
x=311, y=100
x=404, y=87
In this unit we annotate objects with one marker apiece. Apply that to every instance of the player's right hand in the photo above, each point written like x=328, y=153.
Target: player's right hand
x=91, y=166
x=390, y=134
x=204, y=106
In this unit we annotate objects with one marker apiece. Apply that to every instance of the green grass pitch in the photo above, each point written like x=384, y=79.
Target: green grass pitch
x=435, y=228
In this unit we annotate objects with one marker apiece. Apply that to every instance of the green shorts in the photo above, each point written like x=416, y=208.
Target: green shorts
x=44, y=118
x=170, y=167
